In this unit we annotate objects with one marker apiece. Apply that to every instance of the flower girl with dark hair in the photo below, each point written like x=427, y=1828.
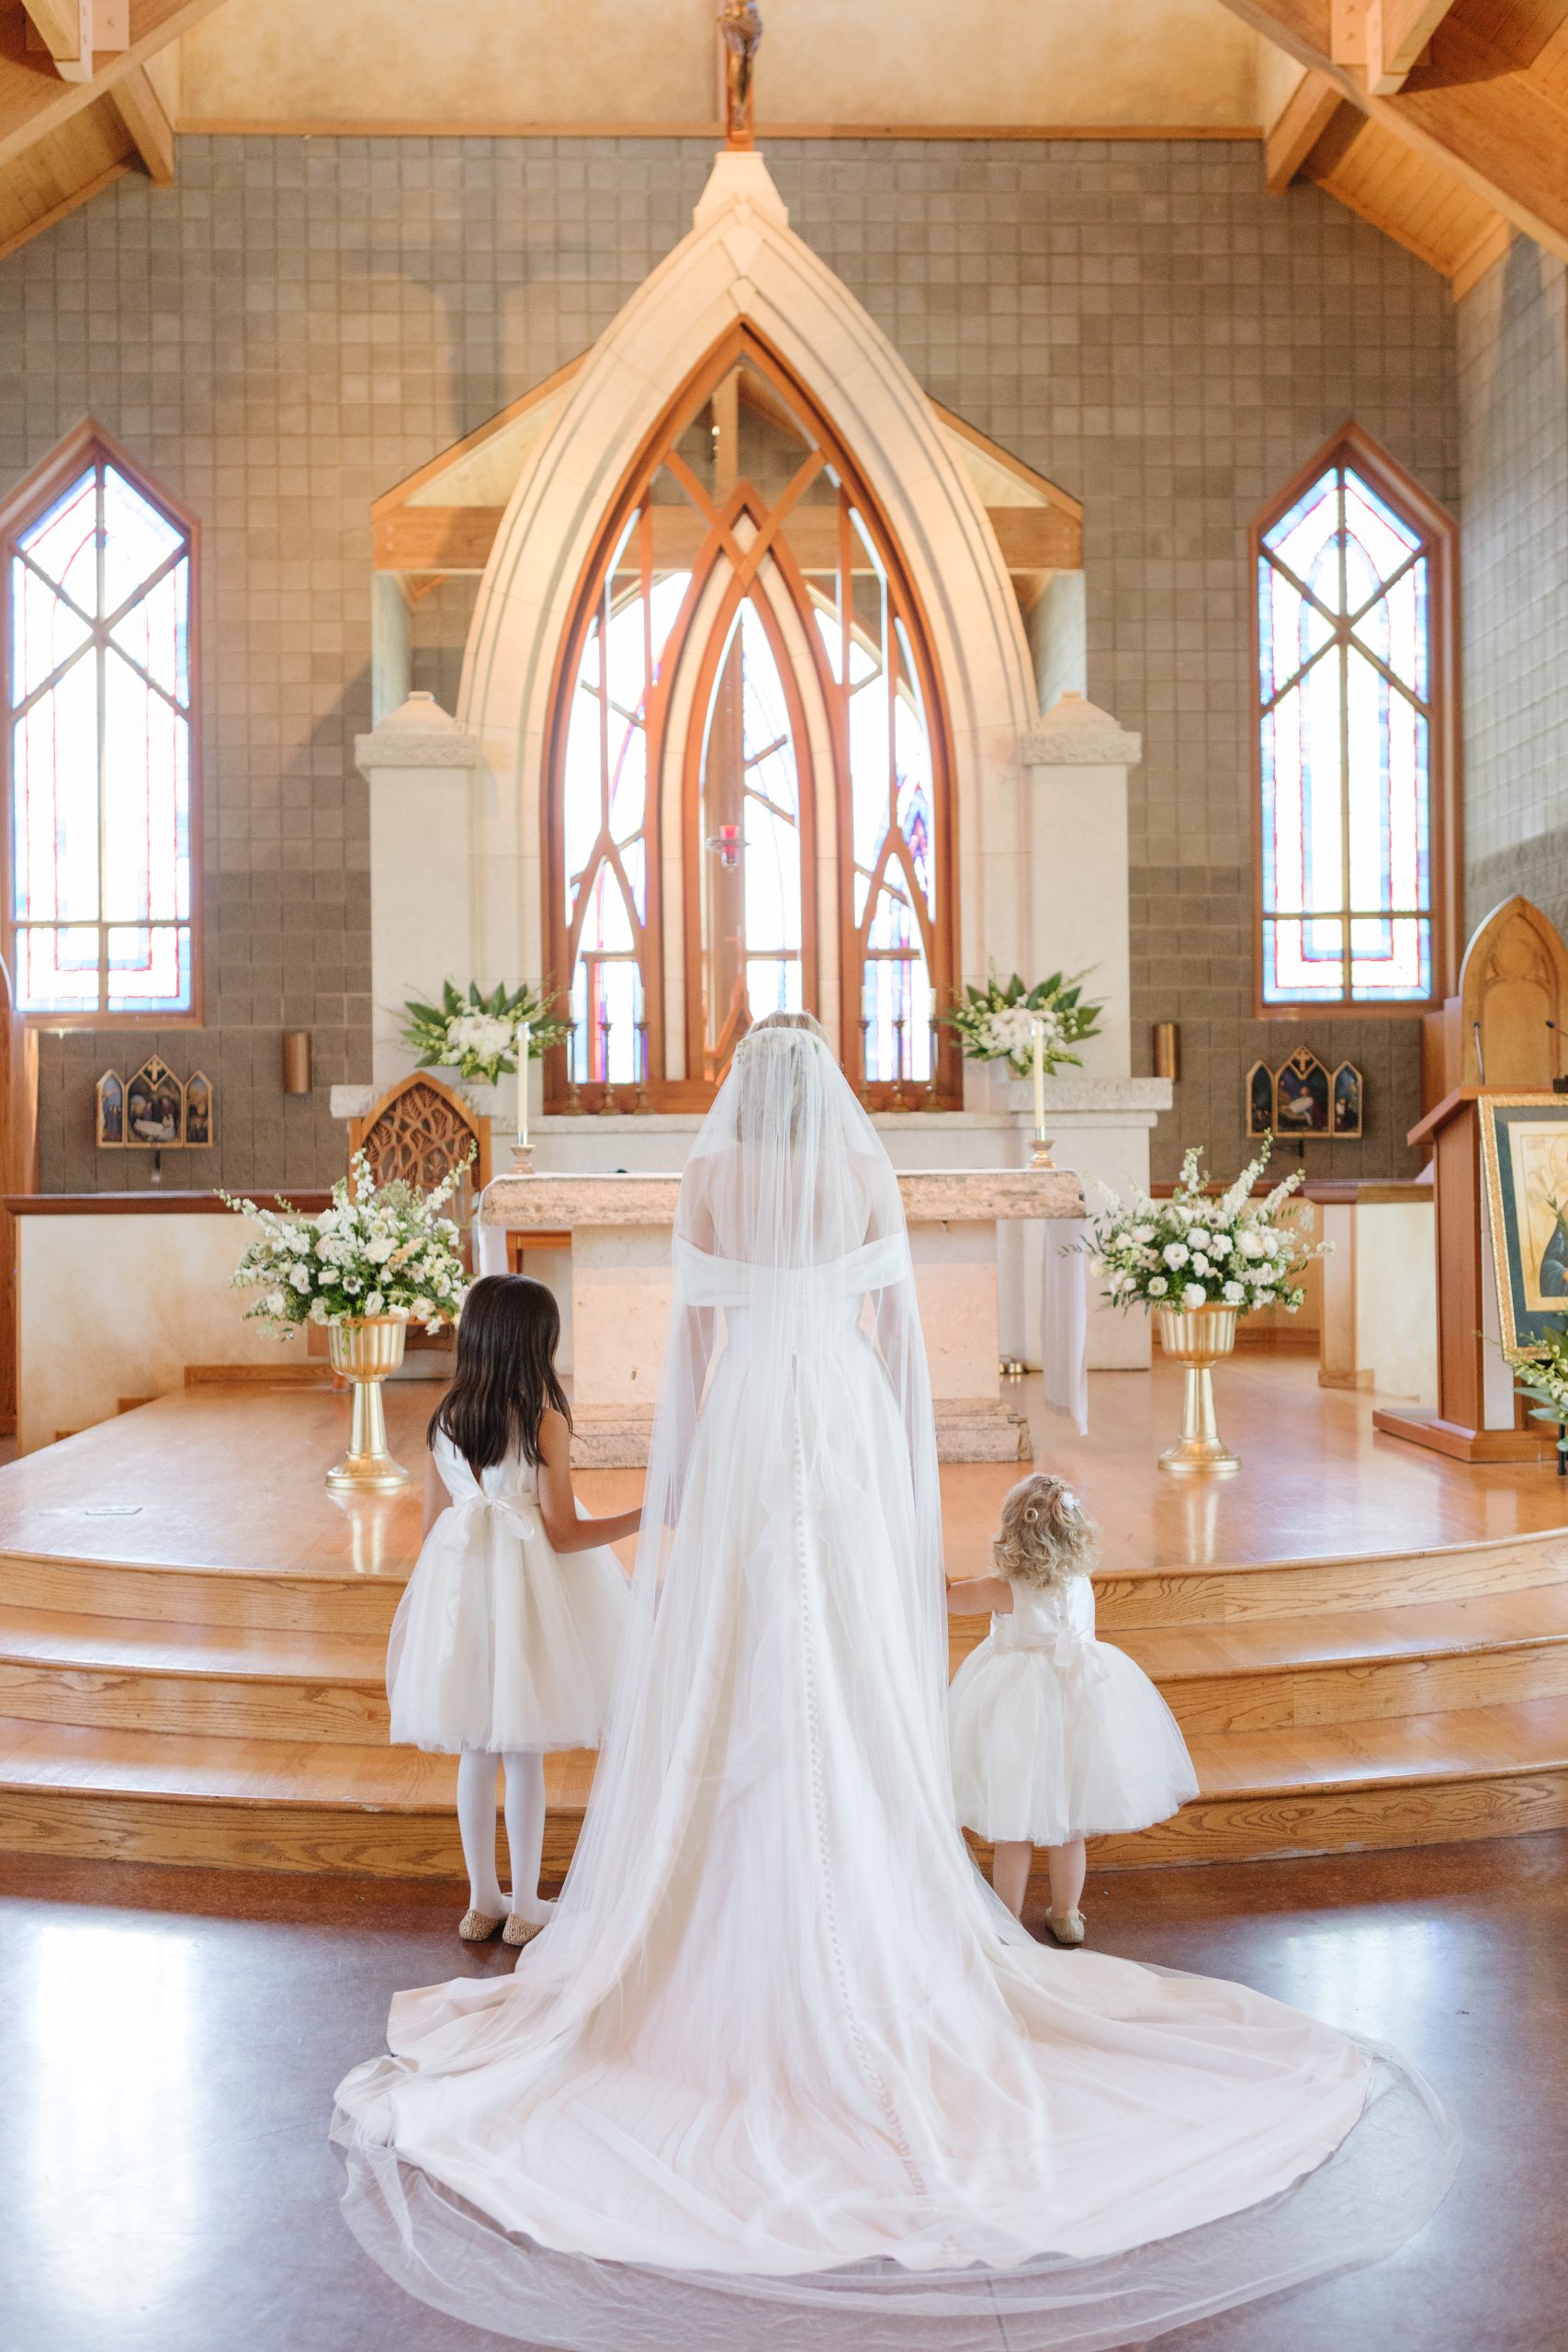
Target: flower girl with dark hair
x=505, y=1641
x=1056, y=1736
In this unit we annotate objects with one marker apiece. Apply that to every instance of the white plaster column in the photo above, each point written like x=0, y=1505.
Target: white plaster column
x=422, y=769
x=1076, y=761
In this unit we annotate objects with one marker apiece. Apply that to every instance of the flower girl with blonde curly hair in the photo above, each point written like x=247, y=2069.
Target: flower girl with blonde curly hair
x=1056, y=1736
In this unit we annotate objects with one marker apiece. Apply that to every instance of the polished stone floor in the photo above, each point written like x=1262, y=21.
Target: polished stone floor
x=169, y=2043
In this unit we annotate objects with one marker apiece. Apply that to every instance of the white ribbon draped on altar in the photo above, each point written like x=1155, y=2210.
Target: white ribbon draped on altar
x=1063, y=1320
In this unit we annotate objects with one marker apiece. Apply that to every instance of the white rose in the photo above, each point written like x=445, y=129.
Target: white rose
x=1194, y=1296
x=1158, y=1287
x=1265, y=1276
x=375, y=1304
x=1176, y=1253
x=380, y=1251
x=1249, y=1244
x=1145, y=1233
x=300, y=1277
x=1234, y=1294
x=1220, y=1247
x=1200, y=1265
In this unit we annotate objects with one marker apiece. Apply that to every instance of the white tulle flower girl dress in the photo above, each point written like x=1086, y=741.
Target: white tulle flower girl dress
x=499, y=1644
x=1056, y=1736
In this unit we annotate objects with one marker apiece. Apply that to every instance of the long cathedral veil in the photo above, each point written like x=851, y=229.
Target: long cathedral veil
x=781, y=2062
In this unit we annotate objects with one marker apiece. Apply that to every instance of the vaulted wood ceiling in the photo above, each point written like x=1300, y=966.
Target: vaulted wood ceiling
x=1445, y=123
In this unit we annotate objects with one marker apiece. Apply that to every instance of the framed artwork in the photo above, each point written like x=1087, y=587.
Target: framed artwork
x=1301, y=1095
x=1347, y=1101
x=1301, y=1099
x=1260, y=1100
x=109, y=1120
x=155, y=1107
x=1524, y=1151
x=199, y=1111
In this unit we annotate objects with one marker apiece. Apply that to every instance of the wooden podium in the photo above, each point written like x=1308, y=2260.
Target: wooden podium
x=1479, y=1419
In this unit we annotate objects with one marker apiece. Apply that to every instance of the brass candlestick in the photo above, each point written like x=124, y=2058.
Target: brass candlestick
x=607, y=1102
x=573, y=1098
x=897, y=1101
x=644, y=1101
x=865, y=1059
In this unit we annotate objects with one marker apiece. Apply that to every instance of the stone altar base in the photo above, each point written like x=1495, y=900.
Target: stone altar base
x=620, y=1287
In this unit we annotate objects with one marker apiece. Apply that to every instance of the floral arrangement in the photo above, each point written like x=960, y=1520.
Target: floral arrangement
x=1541, y=1373
x=997, y=1024
x=380, y=1249
x=1205, y=1250
x=477, y=1034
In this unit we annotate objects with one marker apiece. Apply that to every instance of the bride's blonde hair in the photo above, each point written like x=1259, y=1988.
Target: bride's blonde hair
x=1046, y=1536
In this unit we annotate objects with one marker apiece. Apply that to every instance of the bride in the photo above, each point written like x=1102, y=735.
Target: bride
x=782, y=2068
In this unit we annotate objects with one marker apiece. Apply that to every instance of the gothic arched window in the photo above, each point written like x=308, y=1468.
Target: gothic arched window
x=1353, y=627
x=99, y=741
x=749, y=797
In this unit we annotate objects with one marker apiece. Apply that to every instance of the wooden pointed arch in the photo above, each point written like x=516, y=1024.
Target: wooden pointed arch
x=740, y=537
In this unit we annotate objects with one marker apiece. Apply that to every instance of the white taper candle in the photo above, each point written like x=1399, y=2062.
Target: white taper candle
x=1037, y=1030
x=524, y=1040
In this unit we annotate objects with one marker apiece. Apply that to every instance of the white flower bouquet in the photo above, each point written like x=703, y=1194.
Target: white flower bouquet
x=384, y=1249
x=1541, y=1373
x=995, y=1023
x=477, y=1034
x=1205, y=1250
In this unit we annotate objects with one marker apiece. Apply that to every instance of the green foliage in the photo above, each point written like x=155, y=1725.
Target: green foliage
x=997, y=1022
x=476, y=1035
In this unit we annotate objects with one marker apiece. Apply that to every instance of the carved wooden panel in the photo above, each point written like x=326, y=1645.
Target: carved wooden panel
x=1513, y=985
x=418, y=1131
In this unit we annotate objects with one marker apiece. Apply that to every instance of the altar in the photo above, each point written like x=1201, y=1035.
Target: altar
x=618, y=1283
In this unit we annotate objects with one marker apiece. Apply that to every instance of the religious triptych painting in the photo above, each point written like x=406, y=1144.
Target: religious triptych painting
x=749, y=803
x=1303, y=1097
x=1349, y=586
x=153, y=1110
x=98, y=683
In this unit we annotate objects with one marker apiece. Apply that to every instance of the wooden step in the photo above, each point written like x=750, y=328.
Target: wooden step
x=256, y=1599
x=1262, y=1673
x=1404, y=1781
x=138, y=1675
x=1128, y=1598
x=1470, y=1772
x=253, y=1805
x=1343, y=1668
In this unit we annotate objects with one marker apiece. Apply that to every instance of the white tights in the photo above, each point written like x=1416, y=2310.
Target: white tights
x=525, y=1831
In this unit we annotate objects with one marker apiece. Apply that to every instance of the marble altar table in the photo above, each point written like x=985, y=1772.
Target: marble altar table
x=620, y=1228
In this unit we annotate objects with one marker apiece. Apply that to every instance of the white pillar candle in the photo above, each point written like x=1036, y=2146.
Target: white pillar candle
x=524, y=1039
x=1037, y=1030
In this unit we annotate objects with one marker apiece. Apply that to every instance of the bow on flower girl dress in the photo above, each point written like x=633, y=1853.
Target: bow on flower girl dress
x=499, y=1645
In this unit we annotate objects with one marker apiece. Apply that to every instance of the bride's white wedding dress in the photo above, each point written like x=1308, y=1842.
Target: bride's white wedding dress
x=781, y=2050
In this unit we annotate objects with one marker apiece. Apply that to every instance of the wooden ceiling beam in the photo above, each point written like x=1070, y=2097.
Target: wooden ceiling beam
x=1496, y=131
x=1397, y=31
x=459, y=538
x=140, y=109
x=34, y=100
x=1301, y=123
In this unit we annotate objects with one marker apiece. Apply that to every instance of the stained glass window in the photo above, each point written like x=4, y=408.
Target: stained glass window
x=99, y=693
x=1347, y=588
x=748, y=731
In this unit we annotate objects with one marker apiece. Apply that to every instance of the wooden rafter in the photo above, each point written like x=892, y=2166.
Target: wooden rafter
x=1488, y=100
x=1302, y=123
x=1396, y=33
x=34, y=100
x=142, y=112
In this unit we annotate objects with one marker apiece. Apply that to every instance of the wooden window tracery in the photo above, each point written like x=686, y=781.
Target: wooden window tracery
x=747, y=665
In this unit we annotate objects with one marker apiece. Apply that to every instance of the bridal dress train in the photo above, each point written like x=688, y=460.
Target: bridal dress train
x=781, y=2070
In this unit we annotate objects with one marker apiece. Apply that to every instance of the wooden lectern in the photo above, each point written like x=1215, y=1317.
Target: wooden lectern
x=1479, y=1417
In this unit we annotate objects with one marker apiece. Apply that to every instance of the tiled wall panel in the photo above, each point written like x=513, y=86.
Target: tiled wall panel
x=295, y=325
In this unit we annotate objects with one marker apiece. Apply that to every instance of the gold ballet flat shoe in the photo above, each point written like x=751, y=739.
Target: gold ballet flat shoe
x=1068, y=1930
x=477, y=1927
x=519, y=1930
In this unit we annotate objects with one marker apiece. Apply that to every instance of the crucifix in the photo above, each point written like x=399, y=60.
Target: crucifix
x=740, y=29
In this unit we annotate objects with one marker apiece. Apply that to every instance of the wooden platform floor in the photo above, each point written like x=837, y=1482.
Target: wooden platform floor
x=1365, y=1644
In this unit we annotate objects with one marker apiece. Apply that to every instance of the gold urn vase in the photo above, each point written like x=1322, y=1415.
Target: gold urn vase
x=365, y=1351
x=1196, y=1338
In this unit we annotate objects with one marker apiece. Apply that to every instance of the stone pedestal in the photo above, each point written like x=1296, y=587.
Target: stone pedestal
x=620, y=1291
